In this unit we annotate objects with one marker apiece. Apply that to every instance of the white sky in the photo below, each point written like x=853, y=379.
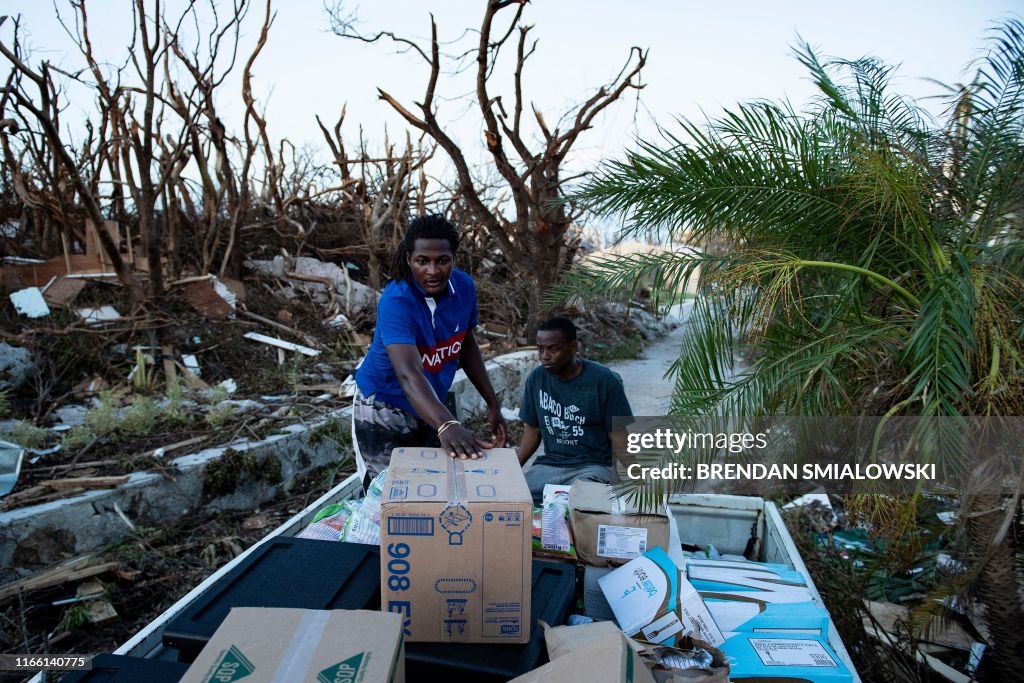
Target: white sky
x=703, y=56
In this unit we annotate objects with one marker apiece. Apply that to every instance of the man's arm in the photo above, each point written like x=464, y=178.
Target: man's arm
x=456, y=440
x=472, y=362
x=529, y=443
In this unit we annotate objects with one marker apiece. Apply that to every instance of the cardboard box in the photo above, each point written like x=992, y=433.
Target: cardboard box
x=595, y=605
x=653, y=601
x=608, y=530
x=789, y=657
x=262, y=644
x=590, y=652
x=754, y=616
x=747, y=577
x=456, y=548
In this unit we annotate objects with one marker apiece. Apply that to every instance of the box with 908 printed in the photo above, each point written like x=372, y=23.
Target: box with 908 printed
x=456, y=546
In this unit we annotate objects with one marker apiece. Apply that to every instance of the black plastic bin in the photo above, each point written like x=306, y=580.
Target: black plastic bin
x=284, y=572
x=121, y=669
x=554, y=592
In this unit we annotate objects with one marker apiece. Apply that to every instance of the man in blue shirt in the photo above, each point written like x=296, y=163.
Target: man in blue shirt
x=424, y=333
x=570, y=404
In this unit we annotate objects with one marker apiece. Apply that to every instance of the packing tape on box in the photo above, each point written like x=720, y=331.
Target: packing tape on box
x=296, y=659
x=456, y=482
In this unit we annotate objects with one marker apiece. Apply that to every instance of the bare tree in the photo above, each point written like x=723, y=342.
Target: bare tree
x=40, y=107
x=380, y=192
x=533, y=236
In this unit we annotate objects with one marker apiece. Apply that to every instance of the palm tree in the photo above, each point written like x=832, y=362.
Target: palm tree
x=876, y=266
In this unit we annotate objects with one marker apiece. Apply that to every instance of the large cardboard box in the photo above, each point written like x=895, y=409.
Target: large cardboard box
x=263, y=645
x=456, y=546
x=608, y=529
x=594, y=652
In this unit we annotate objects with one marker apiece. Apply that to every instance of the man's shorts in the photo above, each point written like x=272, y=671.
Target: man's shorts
x=379, y=428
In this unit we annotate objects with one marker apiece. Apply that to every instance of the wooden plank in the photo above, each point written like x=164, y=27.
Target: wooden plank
x=191, y=379
x=93, y=247
x=62, y=292
x=73, y=570
x=167, y=357
x=38, y=274
x=281, y=344
x=202, y=297
x=86, y=482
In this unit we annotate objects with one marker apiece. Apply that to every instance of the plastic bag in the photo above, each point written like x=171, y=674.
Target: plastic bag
x=351, y=521
x=552, y=536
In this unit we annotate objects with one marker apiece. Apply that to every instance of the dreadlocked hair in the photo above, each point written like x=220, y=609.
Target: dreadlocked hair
x=432, y=227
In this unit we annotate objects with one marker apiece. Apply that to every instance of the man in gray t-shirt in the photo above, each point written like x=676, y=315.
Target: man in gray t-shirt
x=569, y=403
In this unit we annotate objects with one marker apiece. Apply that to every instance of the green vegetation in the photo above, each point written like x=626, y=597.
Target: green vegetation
x=332, y=430
x=220, y=415
x=223, y=475
x=625, y=347
x=141, y=417
x=27, y=434
x=100, y=421
x=873, y=263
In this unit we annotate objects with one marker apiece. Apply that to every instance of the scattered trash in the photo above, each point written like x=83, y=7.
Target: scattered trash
x=11, y=455
x=947, y=563
x=947, y=517
x=229, y=385
x=63, y=291
x=30, y=303
x=210, y=298
x=281, y=344
x=257, y=522
x=337, y=321
x=99, y=315
x=71, y=415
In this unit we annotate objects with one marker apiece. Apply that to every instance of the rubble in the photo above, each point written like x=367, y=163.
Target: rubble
x=30, y=303
x=16, y=367
x=304, y=271
x=99, y=315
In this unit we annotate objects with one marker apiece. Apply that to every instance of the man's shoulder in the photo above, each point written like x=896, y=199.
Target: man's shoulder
x=536, y=374
x=601, y=372
x=395, y=290
x=396, y=301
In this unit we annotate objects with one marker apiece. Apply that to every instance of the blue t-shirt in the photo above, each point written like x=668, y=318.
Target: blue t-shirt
x=406, y=315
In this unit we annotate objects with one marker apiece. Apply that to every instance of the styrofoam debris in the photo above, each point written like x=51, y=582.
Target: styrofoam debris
x=99, y=315
x=30, y=303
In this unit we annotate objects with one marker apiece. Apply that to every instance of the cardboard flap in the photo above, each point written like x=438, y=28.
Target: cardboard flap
x=592, y=496
x=430, y=475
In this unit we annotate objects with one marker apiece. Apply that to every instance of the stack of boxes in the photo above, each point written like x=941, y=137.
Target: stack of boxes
x=761, y=616
x=457, y=576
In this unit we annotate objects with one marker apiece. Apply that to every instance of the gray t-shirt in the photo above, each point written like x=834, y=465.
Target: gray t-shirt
x=574, y=416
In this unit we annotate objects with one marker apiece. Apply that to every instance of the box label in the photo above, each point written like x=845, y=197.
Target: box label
x=554, y=529
x=410, y=526
x=624, y=542
x=349, y=671
x=662, y=628
x=232, y=666
x=784, y=652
